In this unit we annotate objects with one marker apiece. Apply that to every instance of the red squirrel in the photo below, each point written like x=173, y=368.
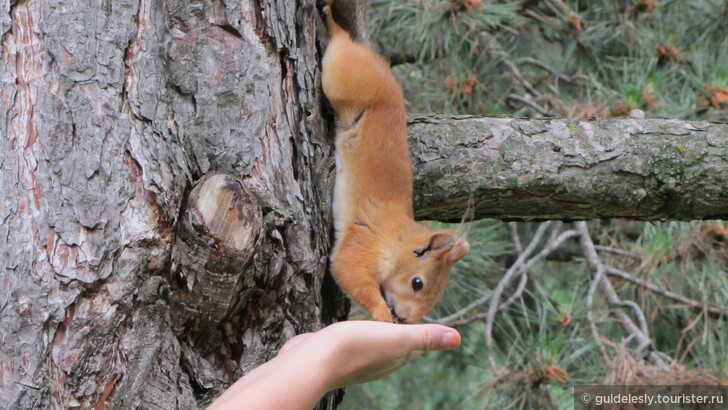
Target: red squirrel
x=382, y=259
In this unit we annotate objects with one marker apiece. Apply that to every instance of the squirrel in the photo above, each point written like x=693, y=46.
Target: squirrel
x=383, y=259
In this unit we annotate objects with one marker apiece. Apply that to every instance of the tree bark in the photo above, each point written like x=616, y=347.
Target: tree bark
x=109, y=113
x=569, y=169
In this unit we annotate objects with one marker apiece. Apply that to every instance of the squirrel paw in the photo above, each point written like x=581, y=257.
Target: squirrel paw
x=382, y=315
x=325, y=6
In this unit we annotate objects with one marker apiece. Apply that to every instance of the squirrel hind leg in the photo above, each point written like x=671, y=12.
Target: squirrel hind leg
x=333, y=28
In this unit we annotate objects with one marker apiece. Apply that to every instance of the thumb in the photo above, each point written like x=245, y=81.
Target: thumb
x=426, y=337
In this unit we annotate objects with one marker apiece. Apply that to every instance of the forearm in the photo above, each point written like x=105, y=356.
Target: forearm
x=340, y=355
x=286, y=382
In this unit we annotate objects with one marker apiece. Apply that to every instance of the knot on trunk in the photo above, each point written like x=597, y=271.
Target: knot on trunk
x=218, y=234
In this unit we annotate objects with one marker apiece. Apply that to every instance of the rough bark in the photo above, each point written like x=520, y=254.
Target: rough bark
x=218, y=233
x=109, y=113
x=569, y=169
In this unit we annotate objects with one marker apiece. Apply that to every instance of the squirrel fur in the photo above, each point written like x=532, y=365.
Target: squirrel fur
x=382, y=259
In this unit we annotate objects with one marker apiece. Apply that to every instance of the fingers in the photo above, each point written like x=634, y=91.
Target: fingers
x=429, y=337
x=391, y=337
x=450, y=340
x=361, y=351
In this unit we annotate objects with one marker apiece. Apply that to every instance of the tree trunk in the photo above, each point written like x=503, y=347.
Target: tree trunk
x=112, y=276
x=165, y=180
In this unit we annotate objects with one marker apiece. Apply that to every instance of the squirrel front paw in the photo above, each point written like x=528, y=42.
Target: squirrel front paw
x=382, y=314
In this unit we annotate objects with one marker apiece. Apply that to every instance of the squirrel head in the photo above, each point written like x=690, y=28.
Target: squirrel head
x=418, y=274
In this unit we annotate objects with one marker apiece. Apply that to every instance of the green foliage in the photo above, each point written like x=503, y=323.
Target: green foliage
x=489, y=237
x=585, y=59
x=546, y=330
x=577, y=59
x=430, y=29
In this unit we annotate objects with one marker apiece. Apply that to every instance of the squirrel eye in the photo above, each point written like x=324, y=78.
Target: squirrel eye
x=417, y=284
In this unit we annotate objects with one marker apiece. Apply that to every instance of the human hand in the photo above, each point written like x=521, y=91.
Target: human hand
x=363, y=351
x=342, y=354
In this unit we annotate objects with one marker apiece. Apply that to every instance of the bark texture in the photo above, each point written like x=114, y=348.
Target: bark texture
x=109, y=113
x=569, y=169
x=217, y=235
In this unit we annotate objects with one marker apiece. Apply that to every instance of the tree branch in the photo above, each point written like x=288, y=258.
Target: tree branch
x=496, y=294
x=718, y=310
x=639, y=334
x=569, y=169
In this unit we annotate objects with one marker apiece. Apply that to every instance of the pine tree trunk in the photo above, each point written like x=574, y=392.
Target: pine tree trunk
x=165, y=178
x=121, y=285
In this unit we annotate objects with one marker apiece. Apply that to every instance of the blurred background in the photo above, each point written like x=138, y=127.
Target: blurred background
x=535, y=316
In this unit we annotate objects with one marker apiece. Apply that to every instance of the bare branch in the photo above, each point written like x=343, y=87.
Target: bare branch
x=551, y=246
x=515, y=237
x=638, y=314
x=666, y=293
x=614, y=251
x=554, y=241
x=557, y=75
x=502, y=285
x=519, y=290
x=641, y=334
x=451, y=319
x=598, y=275
x=530, y=103
x=517, y=73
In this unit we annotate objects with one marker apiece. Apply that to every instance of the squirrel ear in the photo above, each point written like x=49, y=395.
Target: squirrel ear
x=459, y=250
x=439, y=242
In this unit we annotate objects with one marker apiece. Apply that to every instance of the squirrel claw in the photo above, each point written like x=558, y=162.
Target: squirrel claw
x=325, y=6
x=383, y=315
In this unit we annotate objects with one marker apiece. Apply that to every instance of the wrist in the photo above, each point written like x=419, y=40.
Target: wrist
x=326, y=368
x=313, y=367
